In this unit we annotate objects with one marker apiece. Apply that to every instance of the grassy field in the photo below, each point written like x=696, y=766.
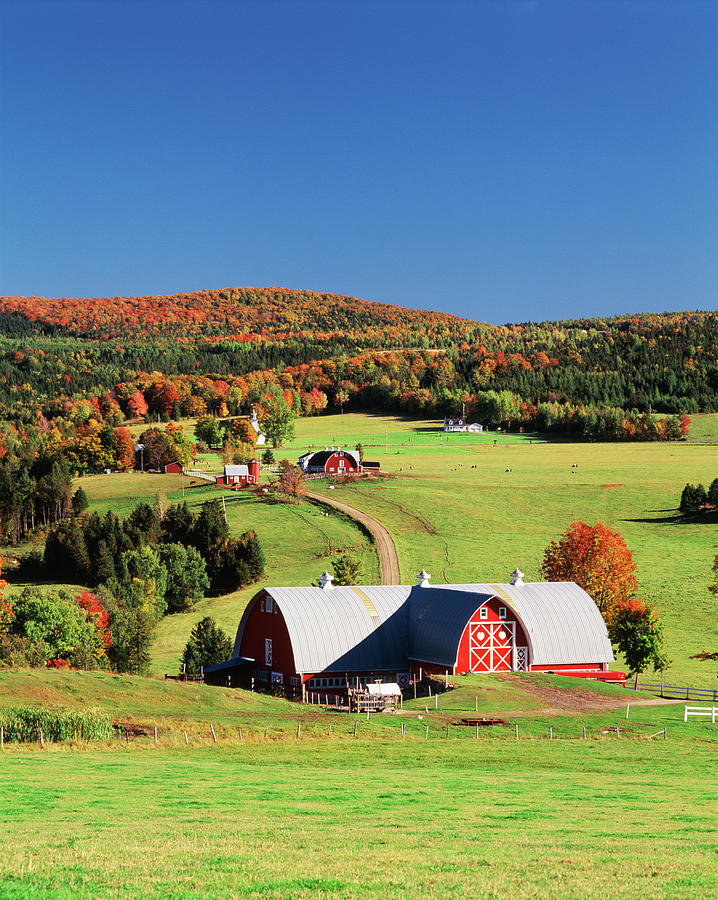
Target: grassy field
x=469, y=510
x=363, y=817
x=347, y=807
x=452, y=507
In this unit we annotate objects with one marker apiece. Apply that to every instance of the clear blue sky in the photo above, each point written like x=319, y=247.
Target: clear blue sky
x=504, y=160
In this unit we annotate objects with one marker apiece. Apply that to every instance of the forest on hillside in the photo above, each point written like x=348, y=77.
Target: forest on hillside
x=58, y=352
x=75, y=373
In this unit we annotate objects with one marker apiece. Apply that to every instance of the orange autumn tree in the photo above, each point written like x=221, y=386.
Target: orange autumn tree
x=598, y=560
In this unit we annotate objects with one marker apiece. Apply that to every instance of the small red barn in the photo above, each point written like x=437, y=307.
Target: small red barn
x=248, y=474
x=331, y=461
x=173, y=468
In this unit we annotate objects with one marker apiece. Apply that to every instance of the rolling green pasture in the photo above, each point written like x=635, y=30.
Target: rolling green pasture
x=364, y=818
x=299, y=542
x=454, y=509
x=350, y=808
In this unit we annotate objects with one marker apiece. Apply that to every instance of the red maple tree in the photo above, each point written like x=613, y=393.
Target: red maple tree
x=598, y=560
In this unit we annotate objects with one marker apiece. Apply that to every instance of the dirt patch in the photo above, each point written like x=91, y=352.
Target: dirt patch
x=558, y=700
x=611, y=487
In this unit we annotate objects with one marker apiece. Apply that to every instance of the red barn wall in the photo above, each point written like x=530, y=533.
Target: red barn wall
x=332, y=464
x=481, y=661
x=262, y=626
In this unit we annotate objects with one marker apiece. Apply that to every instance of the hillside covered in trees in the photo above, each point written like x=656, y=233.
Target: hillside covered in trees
x=71, y=362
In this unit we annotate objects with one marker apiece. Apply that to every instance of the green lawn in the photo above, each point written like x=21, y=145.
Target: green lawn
x=363, y=819
x=456, y=510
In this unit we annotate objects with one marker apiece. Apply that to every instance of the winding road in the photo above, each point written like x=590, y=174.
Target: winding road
x=388, y=559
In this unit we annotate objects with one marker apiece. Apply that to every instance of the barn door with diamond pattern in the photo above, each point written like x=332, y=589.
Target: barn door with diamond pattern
x=491, y=646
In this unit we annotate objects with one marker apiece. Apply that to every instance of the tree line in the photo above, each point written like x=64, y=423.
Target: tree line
x=157, y=561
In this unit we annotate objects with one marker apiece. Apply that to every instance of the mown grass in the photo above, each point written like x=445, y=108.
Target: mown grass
x=362, y=818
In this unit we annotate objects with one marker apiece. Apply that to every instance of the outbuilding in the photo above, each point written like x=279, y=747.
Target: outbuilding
x=330, y=639
x=331, y=461
x=247, y=474
x=173, y=468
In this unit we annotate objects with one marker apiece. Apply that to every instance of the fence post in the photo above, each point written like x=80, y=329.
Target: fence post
x=186, y=739
x=299, y=729
x=436, y=701
x=550, y=733
x=265, y=732
x=42, y=741
x=477, y=732
x=2, y=737
x=476, y=703
x=685, y=713
x=584, y=732
x=517, y=732
x=427, y=731
x=628, y=706
x=214, y=736
x=155, y=735
x=240, y=733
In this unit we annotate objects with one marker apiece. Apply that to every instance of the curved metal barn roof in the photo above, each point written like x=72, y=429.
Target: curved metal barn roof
x=561, y=621
x=345, y=628
x=439, y=617
x=380, y=627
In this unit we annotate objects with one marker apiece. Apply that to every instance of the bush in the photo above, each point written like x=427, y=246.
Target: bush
x=23, y=724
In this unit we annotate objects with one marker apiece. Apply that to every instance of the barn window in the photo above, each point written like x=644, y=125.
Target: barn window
x=294, y=681
x=261, y=605
x=276, y=609
x=502, y=612
x=483, y=613
x=268, y=651
x=269, y=604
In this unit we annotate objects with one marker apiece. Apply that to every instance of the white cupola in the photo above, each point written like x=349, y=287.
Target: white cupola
x=325, y=582
x=517, y=577
x=423, y=577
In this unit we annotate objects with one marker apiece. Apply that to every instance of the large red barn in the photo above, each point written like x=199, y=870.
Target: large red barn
x=325, y=638
x=331, y=461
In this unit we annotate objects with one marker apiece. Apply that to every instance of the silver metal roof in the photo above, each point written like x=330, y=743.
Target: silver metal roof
x=369, y=628
x=236, y=470
x=439, y=615
x=561, y=621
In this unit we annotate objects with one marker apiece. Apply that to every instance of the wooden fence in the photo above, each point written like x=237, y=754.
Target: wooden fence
x=675, y=692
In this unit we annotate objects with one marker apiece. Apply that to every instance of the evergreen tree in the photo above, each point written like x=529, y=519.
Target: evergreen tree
x=79, y=502
x=208, y=646
x=348, y=570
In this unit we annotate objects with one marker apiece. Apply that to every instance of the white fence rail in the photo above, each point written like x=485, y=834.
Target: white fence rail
x=700, y=711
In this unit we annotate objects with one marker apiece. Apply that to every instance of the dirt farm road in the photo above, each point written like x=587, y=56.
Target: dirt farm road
x=388, y=559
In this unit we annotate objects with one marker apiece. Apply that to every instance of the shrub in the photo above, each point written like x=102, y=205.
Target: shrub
x=23, y=723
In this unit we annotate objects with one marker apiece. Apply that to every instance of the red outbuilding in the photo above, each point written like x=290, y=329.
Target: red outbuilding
x=248, y=474
x=329, y=638
x=333, y=461
x=174, y=468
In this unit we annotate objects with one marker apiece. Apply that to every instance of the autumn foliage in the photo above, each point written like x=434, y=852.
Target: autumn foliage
x=598, y=560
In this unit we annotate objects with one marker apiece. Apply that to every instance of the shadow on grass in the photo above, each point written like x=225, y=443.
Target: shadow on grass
x=704, y=518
